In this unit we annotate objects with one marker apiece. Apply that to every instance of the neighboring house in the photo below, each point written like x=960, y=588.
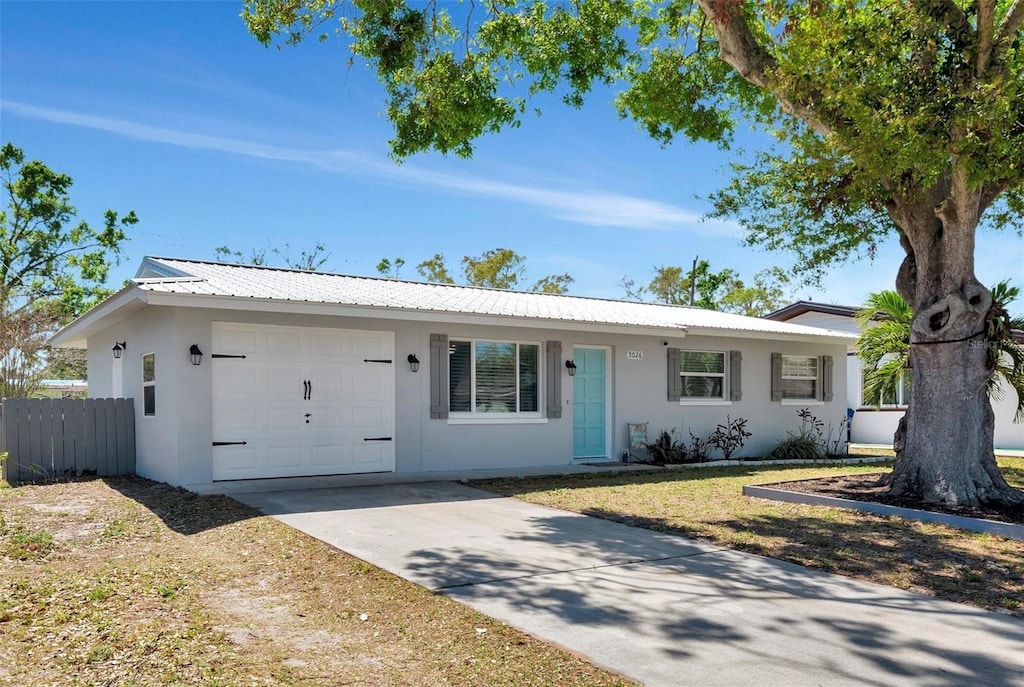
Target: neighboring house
x=63, y=388
x=305, y=373
x=877, y=424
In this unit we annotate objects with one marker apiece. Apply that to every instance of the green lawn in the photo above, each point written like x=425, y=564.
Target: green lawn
x=707, y=504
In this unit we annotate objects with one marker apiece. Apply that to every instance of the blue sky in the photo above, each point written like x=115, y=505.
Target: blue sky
x=173, y=110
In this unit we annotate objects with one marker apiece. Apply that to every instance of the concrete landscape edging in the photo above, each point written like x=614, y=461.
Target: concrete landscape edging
x=1002, y=529
x=753, y=462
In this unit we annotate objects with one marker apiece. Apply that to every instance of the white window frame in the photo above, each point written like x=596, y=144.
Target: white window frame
x=147, y=384
x=902, y=403
x=724, y=399
x=475, y=416
x=814, y=398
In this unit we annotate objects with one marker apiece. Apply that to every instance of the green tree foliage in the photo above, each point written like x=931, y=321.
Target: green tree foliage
x=47, y=256
x=893, y=117
x=711, y=290
x=497, y=268
x=52, y=265
x=884, y=345
x=390, y=268
x=435, y=270
x=308, y=259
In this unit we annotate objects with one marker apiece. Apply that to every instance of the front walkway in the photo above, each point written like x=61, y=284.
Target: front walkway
x=661, y=609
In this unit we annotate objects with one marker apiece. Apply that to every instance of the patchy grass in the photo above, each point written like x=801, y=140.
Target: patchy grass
x=707, y=504
x=136, y=583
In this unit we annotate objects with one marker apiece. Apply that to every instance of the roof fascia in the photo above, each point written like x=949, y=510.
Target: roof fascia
x=829, y=336
x=115, y=308
x=788, y=312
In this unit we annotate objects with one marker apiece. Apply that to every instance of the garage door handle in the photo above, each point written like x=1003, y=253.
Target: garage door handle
x=307, y=390
x=376, y=438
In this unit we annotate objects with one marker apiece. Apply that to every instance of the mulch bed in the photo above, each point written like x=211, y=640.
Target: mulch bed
x=865, y=487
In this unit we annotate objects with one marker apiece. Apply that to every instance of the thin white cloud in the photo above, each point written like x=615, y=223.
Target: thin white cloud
x=582, y=207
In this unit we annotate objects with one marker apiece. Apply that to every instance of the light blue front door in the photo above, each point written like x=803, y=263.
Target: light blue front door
x=589, y=421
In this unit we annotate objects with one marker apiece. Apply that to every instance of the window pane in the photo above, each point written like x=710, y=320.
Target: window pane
x=149, y=367
x=702, y=387
x=149, y=400
x=528, y=368
x=459, y=379
x=799, y=388
x=905, y=391
x=697, y=361
x=799, y=366
x=495, y=377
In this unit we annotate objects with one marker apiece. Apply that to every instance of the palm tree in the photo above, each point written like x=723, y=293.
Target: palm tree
x=884, y=345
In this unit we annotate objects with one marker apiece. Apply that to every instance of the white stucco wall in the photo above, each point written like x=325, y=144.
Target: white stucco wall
x=877, y=426
x=175, y=445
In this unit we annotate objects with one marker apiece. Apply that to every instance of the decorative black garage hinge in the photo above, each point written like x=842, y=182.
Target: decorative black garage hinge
x=230, y=443
x=225, y=355
x=376, y=438
x=376, y=360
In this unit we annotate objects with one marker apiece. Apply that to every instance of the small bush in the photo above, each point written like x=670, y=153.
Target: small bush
x=814, y=440
x=802, y=446
x=730, y=437
x=666, y=449
x=699, y=450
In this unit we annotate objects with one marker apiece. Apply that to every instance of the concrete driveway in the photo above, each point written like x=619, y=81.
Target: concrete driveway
x=661, y=609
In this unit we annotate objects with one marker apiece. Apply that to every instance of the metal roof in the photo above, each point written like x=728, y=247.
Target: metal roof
x=205, y=278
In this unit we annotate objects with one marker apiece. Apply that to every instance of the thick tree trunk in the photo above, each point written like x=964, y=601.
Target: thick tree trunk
x=944, y=447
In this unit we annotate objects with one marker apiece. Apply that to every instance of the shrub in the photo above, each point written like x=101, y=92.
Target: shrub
x=800, y=446
x=699, y=450
x=814, y=440
x=666, y=449
x=730, y=437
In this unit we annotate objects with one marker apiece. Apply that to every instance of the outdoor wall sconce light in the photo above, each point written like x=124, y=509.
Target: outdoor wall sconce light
x=118, y=349
x=571, y=367
x=414, y=362
x=195, y=354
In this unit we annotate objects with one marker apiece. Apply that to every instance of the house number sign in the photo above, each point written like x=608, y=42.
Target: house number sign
x=634, y=355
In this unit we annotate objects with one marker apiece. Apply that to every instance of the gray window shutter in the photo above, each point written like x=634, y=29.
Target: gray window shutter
x=776, y=376
x=826, y=378
x=675, y=380
x=438, y=372
x=735, y=377
x=554, y=379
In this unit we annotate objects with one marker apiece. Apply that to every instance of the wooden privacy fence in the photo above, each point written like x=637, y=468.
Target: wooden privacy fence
x=47, y=438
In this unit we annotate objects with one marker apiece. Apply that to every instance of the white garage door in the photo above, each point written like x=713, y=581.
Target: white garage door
x=294, y=401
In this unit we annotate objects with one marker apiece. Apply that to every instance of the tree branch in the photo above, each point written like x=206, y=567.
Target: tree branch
x=948, y=12
x=1012, y=22
x=740, y=49
x=986, y=35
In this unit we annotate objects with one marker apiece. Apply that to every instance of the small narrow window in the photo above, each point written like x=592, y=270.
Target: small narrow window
x=149, y=384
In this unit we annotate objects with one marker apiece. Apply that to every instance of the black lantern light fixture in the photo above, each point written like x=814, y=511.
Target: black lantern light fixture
x=194, y=354
x=118, y=349
x=414, y=362
x=571, y=367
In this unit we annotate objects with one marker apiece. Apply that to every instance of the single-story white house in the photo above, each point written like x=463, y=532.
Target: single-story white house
x=245, y=372
x=877, y=424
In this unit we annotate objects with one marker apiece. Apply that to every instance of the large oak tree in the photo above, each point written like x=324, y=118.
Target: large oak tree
x=893, y=116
